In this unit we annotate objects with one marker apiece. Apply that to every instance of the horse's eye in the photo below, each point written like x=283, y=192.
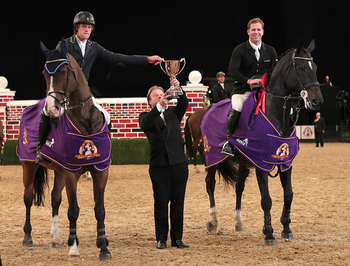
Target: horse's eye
x=63, y=72
x=302, y=68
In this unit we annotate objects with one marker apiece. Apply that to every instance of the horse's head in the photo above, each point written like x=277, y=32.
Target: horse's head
x=294, y=78
x=300, y=76
x=60, y=79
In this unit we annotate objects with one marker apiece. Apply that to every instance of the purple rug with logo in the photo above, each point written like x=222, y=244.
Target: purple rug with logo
x=65, y=146
x=260, y=143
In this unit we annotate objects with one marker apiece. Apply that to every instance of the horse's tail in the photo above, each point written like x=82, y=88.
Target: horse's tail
x=188, y=138
x=228, y=170
x=40, y=181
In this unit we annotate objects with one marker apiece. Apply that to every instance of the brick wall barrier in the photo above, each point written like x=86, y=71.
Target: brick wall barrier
x=124, y=111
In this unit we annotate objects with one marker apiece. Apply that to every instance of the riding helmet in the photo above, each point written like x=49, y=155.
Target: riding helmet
x=84, y=17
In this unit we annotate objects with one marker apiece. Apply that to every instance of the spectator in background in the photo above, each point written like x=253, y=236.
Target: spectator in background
x=220, y=90
x=327, y=82
x=320, y=128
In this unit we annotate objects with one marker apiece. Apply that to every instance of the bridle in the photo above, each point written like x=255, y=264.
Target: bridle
x=65, y=101
x=303, y=93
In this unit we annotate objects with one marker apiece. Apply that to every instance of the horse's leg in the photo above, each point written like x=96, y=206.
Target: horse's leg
x=56, y=198
x=212, y=225
x=71, y=180
x=286, y=180
x=240, y=184
x=28, y=180
x=100, y=181
x=195, y=148
x=266, y=203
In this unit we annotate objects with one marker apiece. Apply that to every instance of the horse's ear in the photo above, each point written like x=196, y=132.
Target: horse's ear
x=44, y=49
x=311, y=46
x=63, y=47
x=300, y=45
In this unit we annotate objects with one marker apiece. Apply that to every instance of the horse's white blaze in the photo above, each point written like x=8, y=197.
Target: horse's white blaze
x=310, y=64
x=74, y=250
x=52, y=110
x=55, y=232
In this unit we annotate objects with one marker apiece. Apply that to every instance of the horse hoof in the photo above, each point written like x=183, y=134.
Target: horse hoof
x=270, y=242
x=239, y=228
x=212, y=228
x=27, y=243
x=287, y=237
x=105, y=256
x=57, y=245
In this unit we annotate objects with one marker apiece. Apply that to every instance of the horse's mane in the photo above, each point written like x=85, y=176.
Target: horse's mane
x=278, y=59
x=80, y=74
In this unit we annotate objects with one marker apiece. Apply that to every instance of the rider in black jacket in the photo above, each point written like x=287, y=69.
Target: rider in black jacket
x=85, y=52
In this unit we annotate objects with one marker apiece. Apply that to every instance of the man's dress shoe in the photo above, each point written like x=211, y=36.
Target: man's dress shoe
x=179, y=244
x=161, y=244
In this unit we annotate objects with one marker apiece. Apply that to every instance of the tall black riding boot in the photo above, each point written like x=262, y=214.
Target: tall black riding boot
x=232, y=123
x=44, y=129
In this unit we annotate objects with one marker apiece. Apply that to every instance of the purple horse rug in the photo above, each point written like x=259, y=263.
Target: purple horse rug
x=259, y=141
x=65, y=146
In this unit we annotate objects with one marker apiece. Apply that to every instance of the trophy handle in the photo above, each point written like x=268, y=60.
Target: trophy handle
x=183, y=66
x=162, y=67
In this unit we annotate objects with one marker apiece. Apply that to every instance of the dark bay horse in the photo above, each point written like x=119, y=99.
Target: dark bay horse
x=293, y=81
x=68, y=99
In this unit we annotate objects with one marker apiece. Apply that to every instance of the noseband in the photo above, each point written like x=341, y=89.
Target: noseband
x=65, y=101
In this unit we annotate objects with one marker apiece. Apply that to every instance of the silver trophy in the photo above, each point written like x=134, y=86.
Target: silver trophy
x=172, y=69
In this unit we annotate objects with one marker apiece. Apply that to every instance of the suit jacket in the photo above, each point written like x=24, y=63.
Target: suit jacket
x=320, y=125
x=219, y=93
x=244, y=65
x=166, y=142
x=93, y=51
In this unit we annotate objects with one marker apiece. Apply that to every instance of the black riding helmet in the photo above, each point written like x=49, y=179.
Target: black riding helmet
x=83, y=17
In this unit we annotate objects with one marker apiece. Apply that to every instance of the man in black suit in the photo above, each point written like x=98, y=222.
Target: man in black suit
x=220, y=90
x=320, y=128
x=168, y=165
x=249, y=59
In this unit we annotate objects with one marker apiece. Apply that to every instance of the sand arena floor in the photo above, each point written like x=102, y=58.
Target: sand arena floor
x=320, y=219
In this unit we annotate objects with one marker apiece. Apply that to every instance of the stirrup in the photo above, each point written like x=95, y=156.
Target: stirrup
x=228, y=149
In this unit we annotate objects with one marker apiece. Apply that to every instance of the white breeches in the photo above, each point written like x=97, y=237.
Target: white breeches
x=105, y=113
x=238, y=100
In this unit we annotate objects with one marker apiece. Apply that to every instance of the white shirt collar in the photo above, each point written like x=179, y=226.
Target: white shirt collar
x=255, y=46
x=82, y=46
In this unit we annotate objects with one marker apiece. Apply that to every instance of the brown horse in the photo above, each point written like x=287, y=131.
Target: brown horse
x=193, y=136
x=194, y=144
x=68, y=96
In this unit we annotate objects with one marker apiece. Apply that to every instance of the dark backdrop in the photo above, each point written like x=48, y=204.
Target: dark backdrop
x=204, y=32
